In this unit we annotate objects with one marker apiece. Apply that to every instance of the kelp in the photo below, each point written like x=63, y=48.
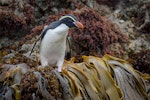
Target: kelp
x=97, y=78
x=106, y=78
x=128, y=79
x=11, y=76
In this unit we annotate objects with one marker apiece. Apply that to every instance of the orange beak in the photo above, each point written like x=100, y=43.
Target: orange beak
x=79, y=24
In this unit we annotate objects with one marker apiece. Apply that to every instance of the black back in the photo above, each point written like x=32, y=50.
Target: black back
x=53, y=25
x=68, y=21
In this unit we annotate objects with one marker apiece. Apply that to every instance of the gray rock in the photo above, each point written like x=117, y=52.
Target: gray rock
x=5, y=2
x=4, y=42
x=25, y=48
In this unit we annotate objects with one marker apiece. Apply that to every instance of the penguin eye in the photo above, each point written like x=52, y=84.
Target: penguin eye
x=70, y=20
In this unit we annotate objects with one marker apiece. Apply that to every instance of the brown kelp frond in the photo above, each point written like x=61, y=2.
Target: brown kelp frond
x=11, y=76
x=41, y=83
x=106, y=77
x=129, y=81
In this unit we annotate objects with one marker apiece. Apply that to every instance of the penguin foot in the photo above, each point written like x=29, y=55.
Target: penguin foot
x=59, y=69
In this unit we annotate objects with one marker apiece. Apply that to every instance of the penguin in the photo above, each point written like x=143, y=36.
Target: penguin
x=53, y=41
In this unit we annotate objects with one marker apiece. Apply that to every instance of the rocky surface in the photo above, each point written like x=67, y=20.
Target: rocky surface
x=109, y=28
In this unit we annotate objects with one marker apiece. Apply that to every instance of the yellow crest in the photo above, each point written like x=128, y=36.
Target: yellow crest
x=68, y=17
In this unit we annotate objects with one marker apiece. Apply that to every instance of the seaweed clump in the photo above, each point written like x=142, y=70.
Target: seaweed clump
x=16, y=18
x=10, y=23
x=41, y=83
x=20, y=82
x=140, y=60
x=97, y=35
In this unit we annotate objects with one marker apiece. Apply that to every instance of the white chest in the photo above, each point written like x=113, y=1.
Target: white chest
x=53, y=45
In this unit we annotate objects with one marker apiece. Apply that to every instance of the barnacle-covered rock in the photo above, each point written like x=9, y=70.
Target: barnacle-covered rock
x=137, y=11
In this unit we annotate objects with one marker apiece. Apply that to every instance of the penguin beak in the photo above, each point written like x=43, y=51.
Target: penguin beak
x=78, y=24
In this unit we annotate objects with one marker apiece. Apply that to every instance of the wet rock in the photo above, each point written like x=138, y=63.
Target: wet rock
x=5, y=2
x=137, y=41
x=25, y=48
x=118, y=49
x=137, y=11
x=111, y=3
x=9, y=56
x=138, y=44
x=4, y=42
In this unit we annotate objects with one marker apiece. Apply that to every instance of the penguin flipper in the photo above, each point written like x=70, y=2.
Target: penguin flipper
x=38, y=39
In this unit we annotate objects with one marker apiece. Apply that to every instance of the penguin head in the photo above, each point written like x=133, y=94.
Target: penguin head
x=71, y=21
